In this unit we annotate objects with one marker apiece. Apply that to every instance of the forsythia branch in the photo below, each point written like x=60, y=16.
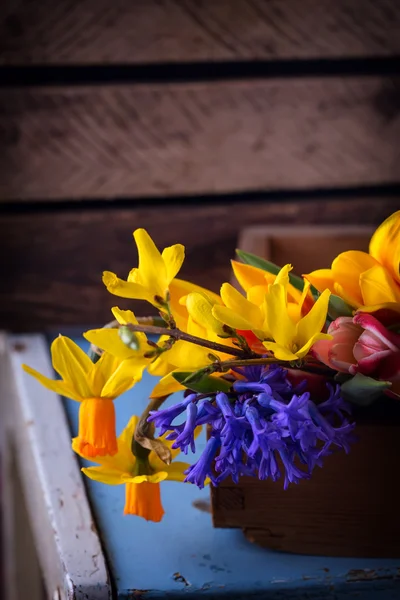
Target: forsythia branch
x=181, y=335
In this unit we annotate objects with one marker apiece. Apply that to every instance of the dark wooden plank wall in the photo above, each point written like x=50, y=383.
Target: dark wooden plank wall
x=163, y=140
x=151, y=31
x=192, y=119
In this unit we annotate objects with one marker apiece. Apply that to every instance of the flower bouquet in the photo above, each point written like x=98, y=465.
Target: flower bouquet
x=278, y=374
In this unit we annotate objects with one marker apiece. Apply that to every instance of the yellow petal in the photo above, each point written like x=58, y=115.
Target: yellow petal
x=385, y=245
x=280, y=325
x=104, y=475
x=346, y=296
x=321, y=279
x=149, y=478
x=173, y=258
x=125, y=289
x=314, y=321
x=123, y=462
x=160, y=366
x=256, y=294
x=104, y=368
x=240, y=305
x=72, y=364
x=378, y=287
x=280, y=352
x=166, y=386
x=175, y=471
x=283, y=275
x=231, y=318
x=109, y=340
x=59, y=387
x=200, y=309
x=315, y=338
x=152, y=270
x=186, y=356
x=124, y=317
x=387, y=306
x=125, y=376
x=194, y=328
x=346, y=271
x=128, y=431
x=247, y=275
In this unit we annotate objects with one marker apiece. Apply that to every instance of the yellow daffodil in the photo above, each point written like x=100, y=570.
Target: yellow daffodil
x=95, y=386
x=151, y=280
x=141, y=476
x=293, y=340
x=109, y=340
x=366, y=280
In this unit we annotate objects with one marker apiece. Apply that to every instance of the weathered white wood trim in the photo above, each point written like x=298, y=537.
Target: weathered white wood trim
x=68, y=546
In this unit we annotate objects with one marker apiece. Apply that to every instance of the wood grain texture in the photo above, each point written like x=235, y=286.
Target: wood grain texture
x=340, y=511
x=153, y=140
x=53, y=260
x=144, y=31
x=66, y=539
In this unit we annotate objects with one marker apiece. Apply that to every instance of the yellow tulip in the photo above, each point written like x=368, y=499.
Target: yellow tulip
x=95, y=386
x=366, y=281
x=141, y=476
x=151, y=280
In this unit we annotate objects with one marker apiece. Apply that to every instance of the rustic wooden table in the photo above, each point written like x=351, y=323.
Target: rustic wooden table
x=184, y=556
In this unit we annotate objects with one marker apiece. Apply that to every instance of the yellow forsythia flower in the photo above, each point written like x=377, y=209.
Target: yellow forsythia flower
x=95, y=386
x=151, y=280
x=141, y=476
x=293, y=340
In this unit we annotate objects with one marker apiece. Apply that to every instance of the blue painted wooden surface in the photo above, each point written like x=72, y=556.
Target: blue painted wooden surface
x=184, y=556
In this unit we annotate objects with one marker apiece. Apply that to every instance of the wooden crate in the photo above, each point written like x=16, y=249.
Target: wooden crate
x=349, y=507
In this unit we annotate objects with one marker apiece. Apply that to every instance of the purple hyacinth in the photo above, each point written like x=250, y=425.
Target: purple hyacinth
x=202, y=469
x=264, y=427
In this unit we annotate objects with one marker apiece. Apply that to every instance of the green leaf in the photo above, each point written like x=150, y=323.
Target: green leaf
x=261, y=263
x=338, y=308
x=205, y=385
x=363, y=390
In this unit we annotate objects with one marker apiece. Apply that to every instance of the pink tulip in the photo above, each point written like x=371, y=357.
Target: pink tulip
x=377, y=351
x=337, y=353
x=362, y=345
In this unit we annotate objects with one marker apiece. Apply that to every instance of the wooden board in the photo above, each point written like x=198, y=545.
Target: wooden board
x=160, y=140
x=38, y=440
x=144, y=31
x=310, y=247
x=53, y=260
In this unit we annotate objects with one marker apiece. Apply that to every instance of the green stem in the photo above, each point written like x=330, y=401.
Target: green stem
x=193, y=339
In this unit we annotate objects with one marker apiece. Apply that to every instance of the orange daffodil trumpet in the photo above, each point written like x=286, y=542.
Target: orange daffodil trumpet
x=95, y=386
x=141, y=475
x=259, y=368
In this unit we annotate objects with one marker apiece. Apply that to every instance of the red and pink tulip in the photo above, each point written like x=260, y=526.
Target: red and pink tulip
x=361, y=344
